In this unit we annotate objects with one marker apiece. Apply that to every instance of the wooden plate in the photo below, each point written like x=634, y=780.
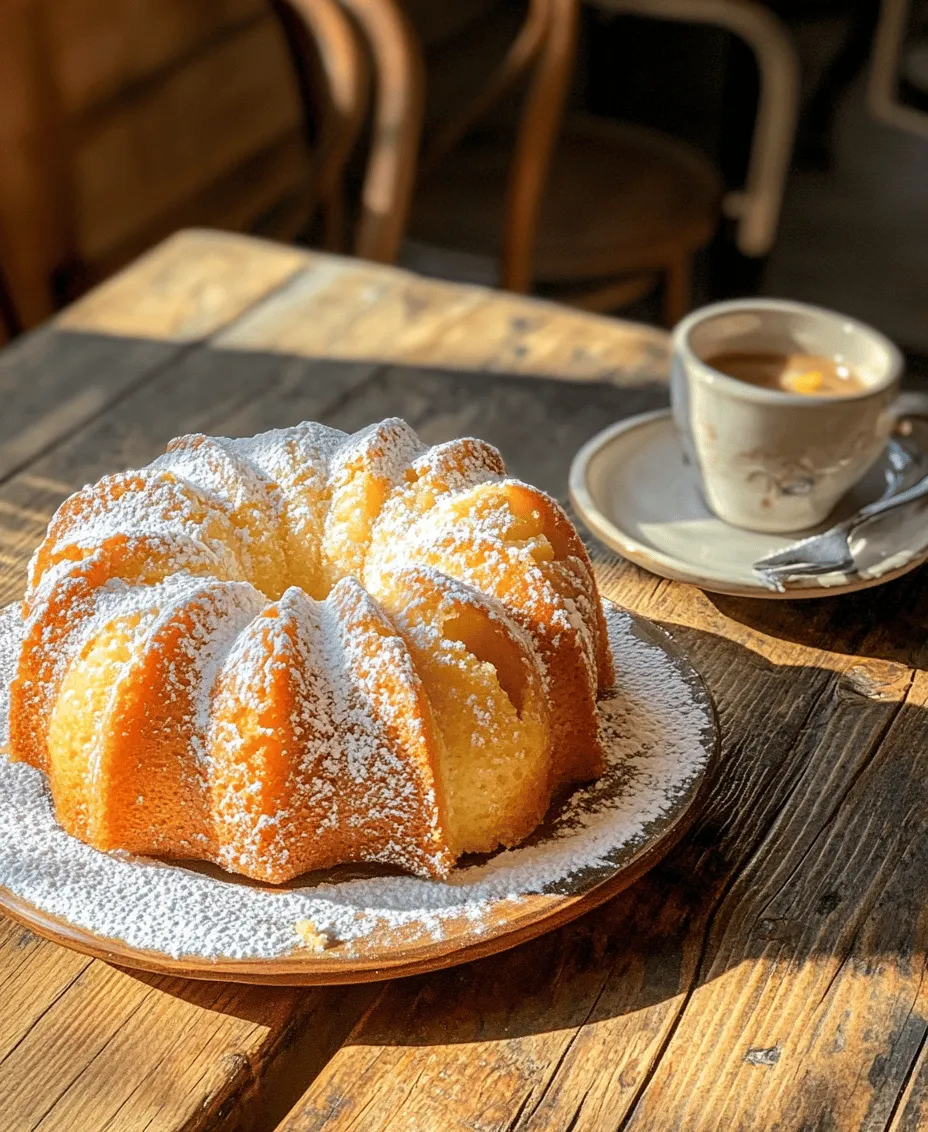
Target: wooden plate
x=662, y=744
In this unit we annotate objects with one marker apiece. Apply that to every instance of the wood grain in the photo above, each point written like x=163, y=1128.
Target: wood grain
x=769, y=974
x=102, y=47
x=124, y=1052
x=755, y=954
x=368, y=312
x=189, y=287
x=175, y=300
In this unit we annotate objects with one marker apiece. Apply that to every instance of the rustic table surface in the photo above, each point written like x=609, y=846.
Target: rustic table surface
x=768, y=975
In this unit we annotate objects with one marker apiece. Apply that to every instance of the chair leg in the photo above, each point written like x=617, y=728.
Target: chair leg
x=520, y=57
x=334, y=223
x=677, y=280
x=338, y=98
x=10, y=325
x=537, y=135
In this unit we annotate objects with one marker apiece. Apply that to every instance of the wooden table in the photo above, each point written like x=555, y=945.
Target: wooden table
x=768, y=975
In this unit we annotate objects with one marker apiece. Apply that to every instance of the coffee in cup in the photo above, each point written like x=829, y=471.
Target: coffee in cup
x=812, y=375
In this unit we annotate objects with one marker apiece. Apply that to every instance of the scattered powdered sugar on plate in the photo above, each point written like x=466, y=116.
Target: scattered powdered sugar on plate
x=659, y=732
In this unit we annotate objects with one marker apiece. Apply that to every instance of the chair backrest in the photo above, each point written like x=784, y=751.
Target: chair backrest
x=123, y=120
x=542, y=53
x=399, y=86
x=335, y=96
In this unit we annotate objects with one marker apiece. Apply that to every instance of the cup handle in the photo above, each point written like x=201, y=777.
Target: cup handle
x=908, y=405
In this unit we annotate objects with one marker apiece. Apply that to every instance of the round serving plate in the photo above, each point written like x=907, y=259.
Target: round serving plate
x=358, y=924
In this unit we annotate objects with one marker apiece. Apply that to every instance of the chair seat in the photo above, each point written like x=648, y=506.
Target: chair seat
x=619, y=198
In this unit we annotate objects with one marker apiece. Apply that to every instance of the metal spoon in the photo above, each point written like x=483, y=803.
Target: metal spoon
x=830, y=551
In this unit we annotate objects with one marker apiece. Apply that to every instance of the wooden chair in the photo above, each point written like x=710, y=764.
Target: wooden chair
x=883, y=87
x=396, y=57
x=593, y=212
x=123, y=122
x=756, y=206
x=590, y=211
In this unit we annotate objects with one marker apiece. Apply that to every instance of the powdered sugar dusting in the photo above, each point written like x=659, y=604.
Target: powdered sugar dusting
x=658, y=734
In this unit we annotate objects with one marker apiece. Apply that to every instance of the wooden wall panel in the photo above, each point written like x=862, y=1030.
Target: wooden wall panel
x=100, y=47
x=123, y=120
x=269, y=194
x=33, y=218
x=437, y=23
x=147, y=154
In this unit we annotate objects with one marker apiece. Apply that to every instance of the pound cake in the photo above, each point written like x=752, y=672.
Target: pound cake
x=305, y=648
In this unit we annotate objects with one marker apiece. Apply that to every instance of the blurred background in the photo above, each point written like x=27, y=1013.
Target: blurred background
x=634, y=157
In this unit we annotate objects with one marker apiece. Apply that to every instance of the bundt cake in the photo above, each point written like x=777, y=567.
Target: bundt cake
x=305, y=648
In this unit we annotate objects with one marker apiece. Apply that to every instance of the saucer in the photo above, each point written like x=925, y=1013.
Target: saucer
x=634, y=490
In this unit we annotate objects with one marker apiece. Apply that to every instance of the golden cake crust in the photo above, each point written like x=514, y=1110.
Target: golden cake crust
x=303, y=648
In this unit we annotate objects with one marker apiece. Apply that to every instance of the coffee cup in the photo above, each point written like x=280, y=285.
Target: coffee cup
x=771, y=459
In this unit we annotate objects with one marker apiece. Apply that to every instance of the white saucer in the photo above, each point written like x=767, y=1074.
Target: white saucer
x=633, y=489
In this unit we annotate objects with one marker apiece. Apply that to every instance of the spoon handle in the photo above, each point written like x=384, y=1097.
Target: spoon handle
x=916, y=491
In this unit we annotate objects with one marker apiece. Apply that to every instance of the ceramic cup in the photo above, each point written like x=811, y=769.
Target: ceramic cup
x=770, y=460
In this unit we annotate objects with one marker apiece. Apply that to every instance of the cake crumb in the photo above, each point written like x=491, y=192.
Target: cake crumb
x=310, y=937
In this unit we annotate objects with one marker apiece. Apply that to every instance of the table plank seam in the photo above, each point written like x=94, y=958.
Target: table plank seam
x=848, y=952
x=792, y=919
x=212, y=1103
x=872, y=752
x=654, y=1062
x=711, y=919
x=762, y=838
x=150, y=1067
x=68, y=434
x=346, y=396
x=365, y=1014
x=356, y=1028
x=36, y=1021
x=70, y=1085
x=863, y=913
x=371, y=1100
x=552, y=1076
x=9, y=972
x=229, y=411
x=877, y=744
x=910, y=1072
x=523, y=1105
x=177, y=360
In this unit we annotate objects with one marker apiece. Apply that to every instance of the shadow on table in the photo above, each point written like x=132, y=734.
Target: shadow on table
x=83, y=404
x=837, y=624
x=798, y=896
